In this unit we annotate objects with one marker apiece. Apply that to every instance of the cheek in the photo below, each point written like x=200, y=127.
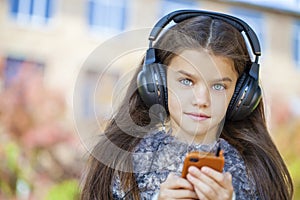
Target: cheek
x=219, y=103
x=174, y=96
x=174, y=102
x=229, y=96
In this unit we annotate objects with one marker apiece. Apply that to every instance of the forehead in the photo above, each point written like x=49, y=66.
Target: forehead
x=204, y=64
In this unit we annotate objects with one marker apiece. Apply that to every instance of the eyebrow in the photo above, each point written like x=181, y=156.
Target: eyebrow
x=216, y=80
x=223, y=79
x=186, y=73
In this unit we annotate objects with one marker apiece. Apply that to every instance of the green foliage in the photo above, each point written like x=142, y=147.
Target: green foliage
x=12, y=152
x=287, y=137
x=9, y=168
x=65, y=190
x=294, y=169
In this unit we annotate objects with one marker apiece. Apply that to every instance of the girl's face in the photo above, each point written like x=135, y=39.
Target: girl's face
x=200, y=86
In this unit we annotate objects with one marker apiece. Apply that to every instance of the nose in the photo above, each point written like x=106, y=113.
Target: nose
x=201, y=97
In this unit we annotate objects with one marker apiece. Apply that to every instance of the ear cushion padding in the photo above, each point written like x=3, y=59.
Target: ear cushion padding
x=239, y=85
x=163, y=76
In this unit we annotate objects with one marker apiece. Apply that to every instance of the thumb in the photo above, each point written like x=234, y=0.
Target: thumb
x=228, y=177
x=172, y=176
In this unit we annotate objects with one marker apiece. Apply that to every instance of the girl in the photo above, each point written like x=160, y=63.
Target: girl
x=199, y=68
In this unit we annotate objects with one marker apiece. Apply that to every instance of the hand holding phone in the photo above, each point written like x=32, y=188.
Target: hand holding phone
x=200, y=159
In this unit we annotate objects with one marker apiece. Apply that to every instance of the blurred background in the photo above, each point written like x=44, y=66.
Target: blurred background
x=44, y=46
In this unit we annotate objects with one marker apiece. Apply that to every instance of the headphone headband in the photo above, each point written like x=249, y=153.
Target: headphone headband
x=181, y=15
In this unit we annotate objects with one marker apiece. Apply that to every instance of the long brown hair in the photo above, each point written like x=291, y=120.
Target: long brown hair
x=112, y=157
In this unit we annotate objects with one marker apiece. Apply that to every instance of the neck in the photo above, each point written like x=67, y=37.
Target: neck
x=208, y=138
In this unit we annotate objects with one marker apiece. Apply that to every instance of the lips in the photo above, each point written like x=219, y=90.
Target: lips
x=198, y=116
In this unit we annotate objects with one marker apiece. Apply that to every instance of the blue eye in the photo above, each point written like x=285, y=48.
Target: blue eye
x=218, y=87
x=186, y=82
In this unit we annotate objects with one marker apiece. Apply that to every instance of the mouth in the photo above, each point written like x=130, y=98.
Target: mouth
x=198, y=116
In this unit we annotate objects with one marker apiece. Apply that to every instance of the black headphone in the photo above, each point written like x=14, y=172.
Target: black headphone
x=152, y=83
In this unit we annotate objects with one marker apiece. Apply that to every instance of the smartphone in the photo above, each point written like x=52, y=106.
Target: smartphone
x=200, y=159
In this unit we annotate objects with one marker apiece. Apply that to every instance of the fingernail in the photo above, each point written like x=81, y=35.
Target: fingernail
x=192, y=169
x=205, y=169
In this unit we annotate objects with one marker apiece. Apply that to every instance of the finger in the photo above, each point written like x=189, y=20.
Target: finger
x=176, y=182
x=217, y=176
x=225, y=180
x=205, y=179
x=202, y=189
x=208, y=187
x=177, y=194
x=228, y=182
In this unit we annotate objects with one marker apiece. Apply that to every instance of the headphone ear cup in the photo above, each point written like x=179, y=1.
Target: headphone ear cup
x=245, y=98
x=151, y=82
x=145, y=86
